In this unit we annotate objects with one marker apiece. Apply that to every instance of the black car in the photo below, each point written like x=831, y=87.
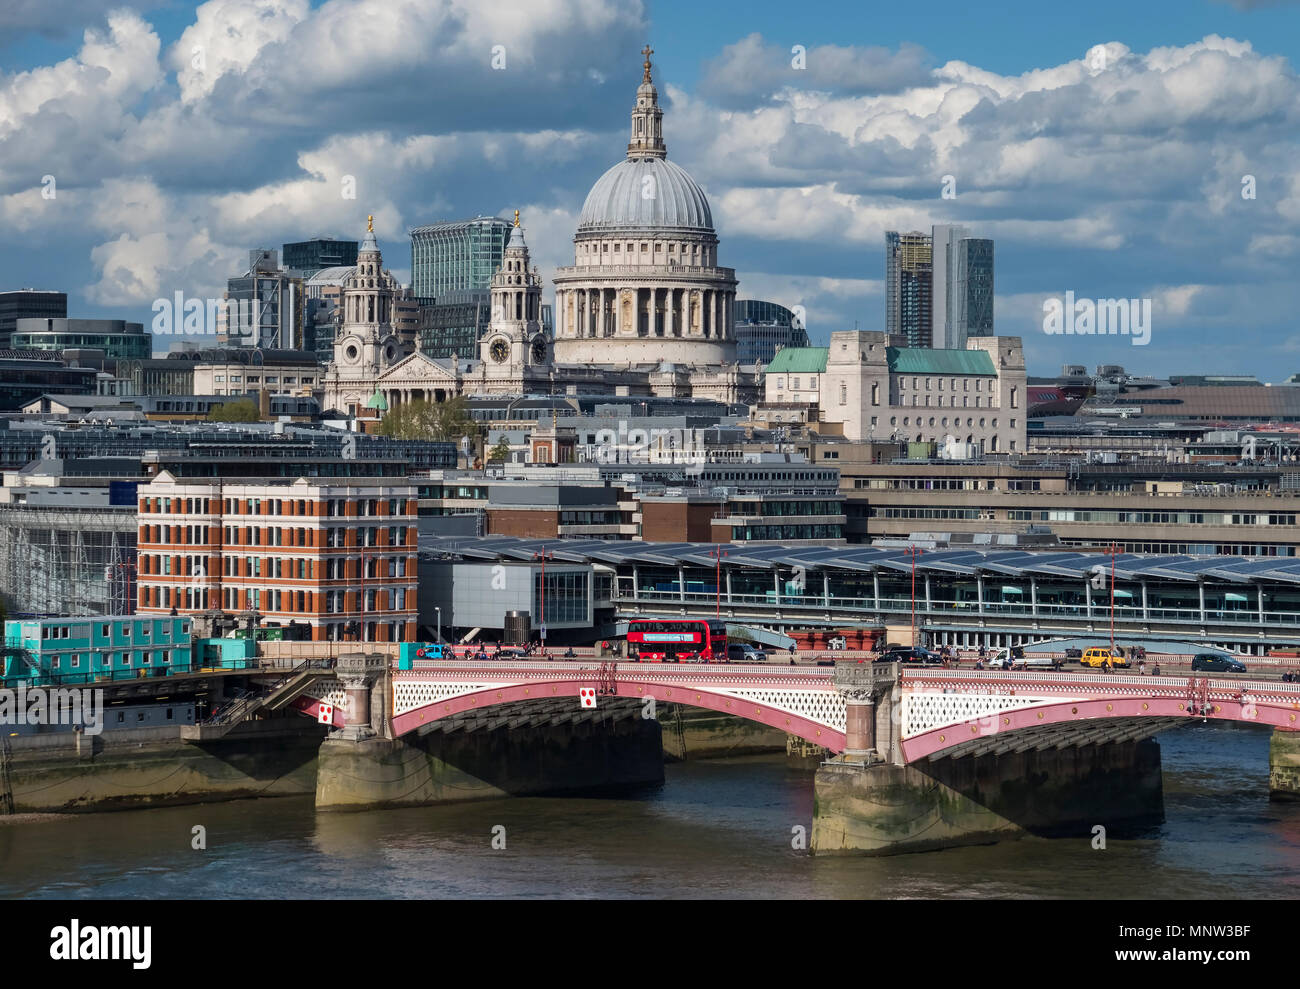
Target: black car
x=1216, y=662
x=922, y=656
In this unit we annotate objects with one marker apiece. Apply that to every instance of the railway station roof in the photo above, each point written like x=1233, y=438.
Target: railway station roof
x=963, y=562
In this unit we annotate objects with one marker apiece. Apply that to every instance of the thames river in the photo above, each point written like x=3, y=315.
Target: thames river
x=721, y=828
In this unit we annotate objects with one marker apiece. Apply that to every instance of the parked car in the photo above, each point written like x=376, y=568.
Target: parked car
x=738, y=652
x=1073, y=653
x=1097, y=655
x=1217, y=662
x=923, y=656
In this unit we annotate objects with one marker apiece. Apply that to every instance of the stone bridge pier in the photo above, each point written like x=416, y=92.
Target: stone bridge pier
x=869, y=712
x=870, y=801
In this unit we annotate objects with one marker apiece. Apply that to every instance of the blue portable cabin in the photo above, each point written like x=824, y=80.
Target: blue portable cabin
x=89, y=648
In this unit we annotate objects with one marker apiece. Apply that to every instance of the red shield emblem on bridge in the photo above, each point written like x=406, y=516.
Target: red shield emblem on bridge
x=588, y=696
x=326, y=714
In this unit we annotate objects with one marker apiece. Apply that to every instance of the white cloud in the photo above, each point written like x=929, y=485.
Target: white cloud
x=227, y=36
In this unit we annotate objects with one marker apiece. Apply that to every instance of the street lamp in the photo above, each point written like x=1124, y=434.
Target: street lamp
x=913, y=552
x=1112, y=551
x=718, y=553
x=543, y=556
x=439, y=611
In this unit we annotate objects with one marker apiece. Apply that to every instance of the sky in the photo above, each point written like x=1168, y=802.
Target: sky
x=1114, y=150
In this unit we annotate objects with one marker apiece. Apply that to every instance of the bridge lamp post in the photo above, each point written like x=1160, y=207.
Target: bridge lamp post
x=1112, y=551
x=718, y=553
x=543, y=556
x=913, y=552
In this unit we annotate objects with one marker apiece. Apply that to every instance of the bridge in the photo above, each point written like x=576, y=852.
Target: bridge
x=871, y=711
x=921, y=757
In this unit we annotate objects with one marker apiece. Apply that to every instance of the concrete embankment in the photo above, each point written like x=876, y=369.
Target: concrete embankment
x=885, y=809
x=287, y=755
x=58, y=772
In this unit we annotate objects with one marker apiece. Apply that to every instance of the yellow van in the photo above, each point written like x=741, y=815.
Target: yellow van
x=1097, y=655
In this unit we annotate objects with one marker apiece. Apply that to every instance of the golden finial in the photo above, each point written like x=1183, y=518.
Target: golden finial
x=370, y=227
x=516, y=218
x=647, y=51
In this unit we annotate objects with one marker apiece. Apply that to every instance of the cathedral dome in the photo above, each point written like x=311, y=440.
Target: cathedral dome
x=642, y=192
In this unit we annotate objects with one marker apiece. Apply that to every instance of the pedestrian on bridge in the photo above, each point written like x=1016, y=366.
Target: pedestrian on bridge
x=1155, y=669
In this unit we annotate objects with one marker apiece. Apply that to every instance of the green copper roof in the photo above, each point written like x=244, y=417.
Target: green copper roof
x=800, y=360
x=919, y=360
x=377, y=401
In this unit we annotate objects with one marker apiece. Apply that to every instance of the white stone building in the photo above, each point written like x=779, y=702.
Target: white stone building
x=879, y=389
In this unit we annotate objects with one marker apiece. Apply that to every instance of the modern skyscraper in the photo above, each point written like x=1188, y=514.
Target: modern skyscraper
x=28, y=303
x=971, y=292
x=943, y=237
x=963, y=287
x=763, y=328
x=456, y=255
x=909, y=260
x=307, y=257
x=938, y=287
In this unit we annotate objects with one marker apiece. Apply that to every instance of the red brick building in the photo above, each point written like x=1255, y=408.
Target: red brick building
x=287, y=550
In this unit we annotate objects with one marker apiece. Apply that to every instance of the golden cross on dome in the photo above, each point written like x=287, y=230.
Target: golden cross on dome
x=647, y=51
x=516, y=218
x=370, y=226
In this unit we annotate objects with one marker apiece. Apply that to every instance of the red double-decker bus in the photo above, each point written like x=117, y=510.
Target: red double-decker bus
x=677, y=640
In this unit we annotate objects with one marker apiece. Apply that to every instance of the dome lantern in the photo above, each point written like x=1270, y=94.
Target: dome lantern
x=647, y=119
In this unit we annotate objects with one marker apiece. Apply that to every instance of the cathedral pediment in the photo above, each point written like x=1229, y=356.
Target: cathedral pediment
x=417, y=367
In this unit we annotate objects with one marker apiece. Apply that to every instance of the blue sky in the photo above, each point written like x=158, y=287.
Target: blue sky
x=180, y=136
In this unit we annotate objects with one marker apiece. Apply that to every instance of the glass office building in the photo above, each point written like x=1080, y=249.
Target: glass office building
x=118, y=338
x=454, y=323
x=307, y=257
x=763, y=328
x=972, y=296
x=28, y=303
x=457, y=255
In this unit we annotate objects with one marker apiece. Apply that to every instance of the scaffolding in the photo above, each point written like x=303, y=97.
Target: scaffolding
x=67, y=561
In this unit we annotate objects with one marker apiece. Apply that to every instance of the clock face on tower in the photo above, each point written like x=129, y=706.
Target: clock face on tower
x=539, y=350
x=500, y=350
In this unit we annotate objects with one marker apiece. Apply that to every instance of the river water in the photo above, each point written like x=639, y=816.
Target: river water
x=720, y=828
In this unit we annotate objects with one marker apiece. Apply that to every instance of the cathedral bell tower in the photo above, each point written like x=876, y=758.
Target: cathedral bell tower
x=365, y=344
x=514, y=341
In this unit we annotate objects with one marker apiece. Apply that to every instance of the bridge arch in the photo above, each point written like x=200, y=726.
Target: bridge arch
x=775, y=709
x=1164, y=707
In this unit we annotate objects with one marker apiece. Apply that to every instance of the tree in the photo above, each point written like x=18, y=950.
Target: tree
x=501, y=451
x=240, y=410
x=421, y=420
